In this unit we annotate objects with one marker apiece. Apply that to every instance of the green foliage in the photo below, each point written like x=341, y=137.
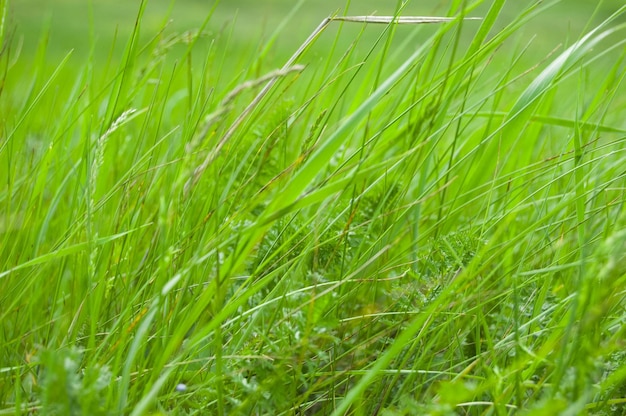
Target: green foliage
x=69, y=388
x=425, y=220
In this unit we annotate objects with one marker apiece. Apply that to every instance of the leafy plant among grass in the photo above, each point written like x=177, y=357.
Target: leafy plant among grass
x=414, y=225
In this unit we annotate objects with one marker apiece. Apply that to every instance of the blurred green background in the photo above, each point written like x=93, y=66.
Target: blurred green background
x=77, y=24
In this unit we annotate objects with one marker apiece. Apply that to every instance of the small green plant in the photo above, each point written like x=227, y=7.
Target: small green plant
x=69, y=388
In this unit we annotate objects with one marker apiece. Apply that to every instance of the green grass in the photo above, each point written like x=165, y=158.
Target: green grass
x=418, y=220
x=76, y=24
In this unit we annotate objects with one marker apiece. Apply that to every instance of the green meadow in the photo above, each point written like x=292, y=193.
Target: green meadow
x=216, y=208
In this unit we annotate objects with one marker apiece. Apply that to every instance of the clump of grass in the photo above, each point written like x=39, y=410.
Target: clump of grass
x=404, y=228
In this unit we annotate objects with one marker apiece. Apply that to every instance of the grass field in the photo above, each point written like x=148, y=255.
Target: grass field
x=406, y=220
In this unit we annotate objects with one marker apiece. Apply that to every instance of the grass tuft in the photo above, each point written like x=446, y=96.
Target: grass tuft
x=403, y=219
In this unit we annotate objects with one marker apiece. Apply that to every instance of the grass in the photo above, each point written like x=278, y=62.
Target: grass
x=408, y=220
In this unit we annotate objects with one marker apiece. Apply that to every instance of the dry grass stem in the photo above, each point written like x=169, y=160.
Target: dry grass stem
x=398, y=19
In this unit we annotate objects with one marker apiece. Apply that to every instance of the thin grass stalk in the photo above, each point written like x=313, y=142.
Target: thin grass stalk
x=253, y=104
x=4, y=6
x=569, y=333
x=303, y=47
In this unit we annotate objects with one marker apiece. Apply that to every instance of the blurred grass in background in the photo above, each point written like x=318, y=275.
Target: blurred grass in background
x=73, y=23
x=251, y=38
